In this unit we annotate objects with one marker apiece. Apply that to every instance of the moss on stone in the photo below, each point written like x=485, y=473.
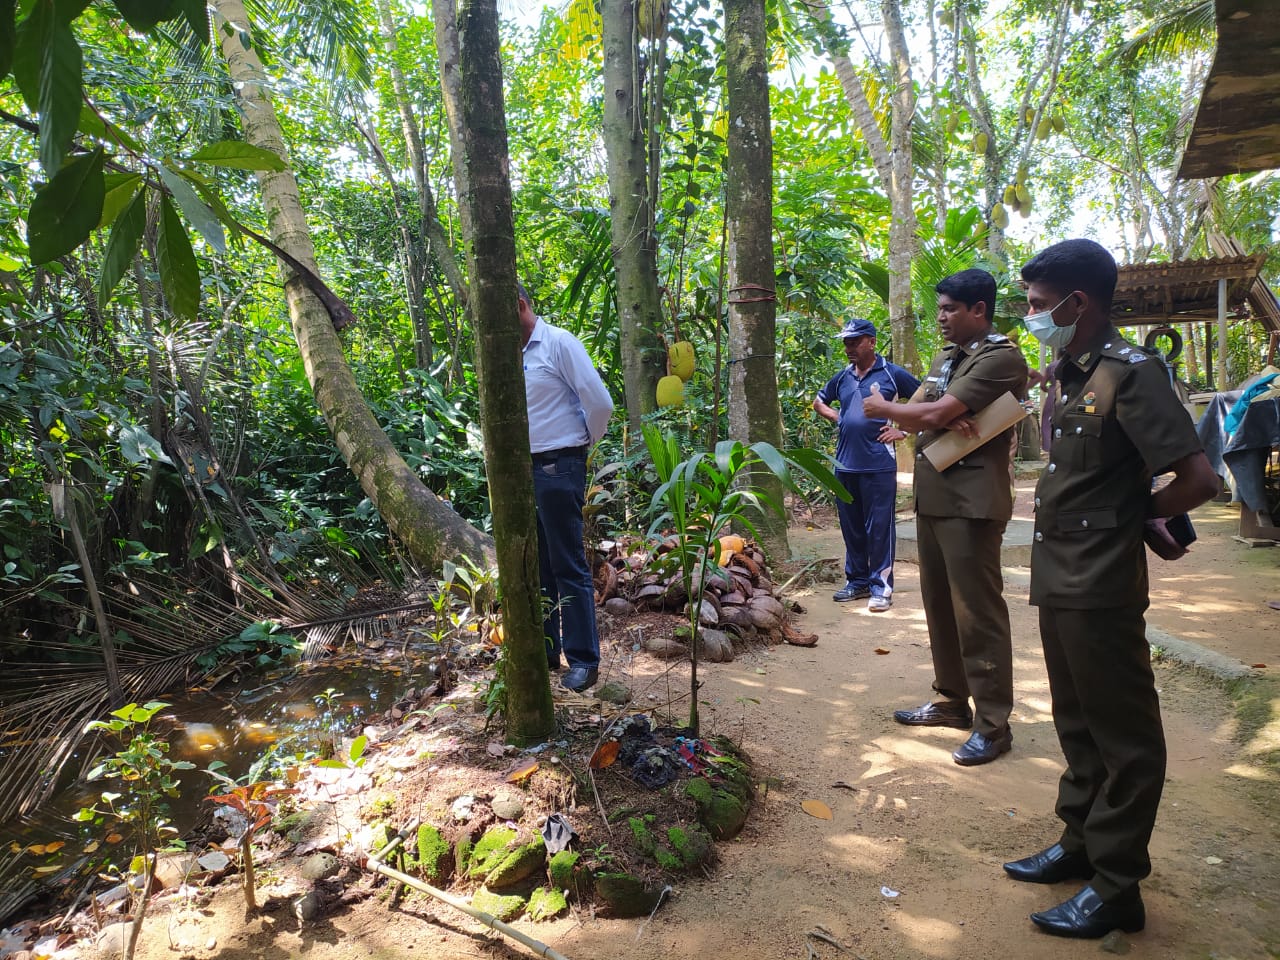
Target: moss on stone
x=691, y=845
x=720, y=810
x=561, y=867
x=379, y=836
x=667, y=860
x=626, y=895
x=518, y=865
x=462, y=850
x=489, y=850
x=642, y=835
x=502, y=906
x=546, y=903
x=433, y=853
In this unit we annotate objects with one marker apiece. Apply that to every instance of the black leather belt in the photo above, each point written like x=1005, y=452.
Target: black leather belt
x=551, y=456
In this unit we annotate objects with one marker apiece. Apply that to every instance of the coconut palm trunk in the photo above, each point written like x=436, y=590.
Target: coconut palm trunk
x=754, y=413
x=429, y=529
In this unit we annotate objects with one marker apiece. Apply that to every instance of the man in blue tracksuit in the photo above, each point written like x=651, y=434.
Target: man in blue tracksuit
x=867, y=465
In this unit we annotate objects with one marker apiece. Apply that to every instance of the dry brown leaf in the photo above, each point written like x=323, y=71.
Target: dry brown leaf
x=1258, y=666
x=604, y=756
x=881, y=650
x=816, y=808
x=521, y=770
x=114, y=838
x=495, y=749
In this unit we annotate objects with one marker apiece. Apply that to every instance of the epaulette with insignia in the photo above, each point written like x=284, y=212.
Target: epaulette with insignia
x=997, y=338
x=1137, y=356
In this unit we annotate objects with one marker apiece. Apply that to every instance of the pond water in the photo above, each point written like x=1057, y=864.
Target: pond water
x=294, y=708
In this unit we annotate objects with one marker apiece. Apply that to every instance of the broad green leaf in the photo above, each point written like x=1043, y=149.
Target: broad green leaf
x=67, y=208
x=8, y=27
x=138, y=446
x=201, y=217
x=29, y=40
x=120, y=190
x=61, y=76
x=179, y=275
x=197, y=14
x=239, y=156
x=125, y=236
x=142, y=15
x=358, y=747
x=67, y=10
x=8, y=264
x=211, y=198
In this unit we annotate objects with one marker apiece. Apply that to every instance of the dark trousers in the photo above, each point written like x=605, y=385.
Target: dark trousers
x=1107, y=713
x=559, y=490
x=963, y=596
x=867, y=525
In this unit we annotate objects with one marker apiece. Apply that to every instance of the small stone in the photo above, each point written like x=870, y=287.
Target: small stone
x=320, y=866
x=113, y=937
x=462, y=807
x=613, y=692
x=506, y=806
x=1114, y=942
x=211, y=943
x=619, y=607
x=215, y=861
x=174, y=871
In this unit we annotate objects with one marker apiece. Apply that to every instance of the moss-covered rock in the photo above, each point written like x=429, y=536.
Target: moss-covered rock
x=644, y=839
x=463, y=847
x=691, y=845
x=434, y=854
x=490, y=850
x=546, y=903
x=518, y=865
x=720, y=809
x=626, y=895
x=568, y=873
x=379, y=836
x=503, y=906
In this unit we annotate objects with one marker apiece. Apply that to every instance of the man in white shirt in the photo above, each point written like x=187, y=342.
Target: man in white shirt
x=569, y=408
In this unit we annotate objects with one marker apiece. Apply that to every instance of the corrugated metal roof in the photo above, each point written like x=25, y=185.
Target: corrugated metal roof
x=1187, y=290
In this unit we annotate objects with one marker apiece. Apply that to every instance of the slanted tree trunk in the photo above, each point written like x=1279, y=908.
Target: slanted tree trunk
x=754, y=413
x=491, y=256
x=430, y=531
x=634, y=243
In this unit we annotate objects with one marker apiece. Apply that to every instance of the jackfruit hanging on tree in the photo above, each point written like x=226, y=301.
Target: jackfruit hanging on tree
x=670, y=392
x=680, y=359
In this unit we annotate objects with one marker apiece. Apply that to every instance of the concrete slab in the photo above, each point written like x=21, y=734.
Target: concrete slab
x=1016, y=551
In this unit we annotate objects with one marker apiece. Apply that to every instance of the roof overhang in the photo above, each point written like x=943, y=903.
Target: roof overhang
x=1183, y=291
x=1237, y=127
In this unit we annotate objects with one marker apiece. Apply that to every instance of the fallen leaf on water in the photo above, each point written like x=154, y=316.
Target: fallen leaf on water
x=114, y=838
x=91, y=846
x=881, y=650
x=54, y=847
x=604, y=756
x=45, y=871
x=816, y=808
x=15, y=847
x=522, y=770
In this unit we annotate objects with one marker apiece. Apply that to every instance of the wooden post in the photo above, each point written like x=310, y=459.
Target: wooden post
x=1222, y=335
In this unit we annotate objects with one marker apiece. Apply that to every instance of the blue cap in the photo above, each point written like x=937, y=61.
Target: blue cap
x=857, y=327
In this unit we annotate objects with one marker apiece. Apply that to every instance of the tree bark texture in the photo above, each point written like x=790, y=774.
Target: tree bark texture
x=754, y=413
x=491, y=256
x=429, y=529
x=634, y=243
x=444, y=15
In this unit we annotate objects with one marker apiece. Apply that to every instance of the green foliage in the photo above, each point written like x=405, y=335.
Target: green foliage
x=699, y=497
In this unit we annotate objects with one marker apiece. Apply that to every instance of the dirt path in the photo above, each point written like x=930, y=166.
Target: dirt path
x=906, y=818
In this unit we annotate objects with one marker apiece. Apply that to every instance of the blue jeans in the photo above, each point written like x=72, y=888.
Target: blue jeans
x=559, y=490
x=869, y=534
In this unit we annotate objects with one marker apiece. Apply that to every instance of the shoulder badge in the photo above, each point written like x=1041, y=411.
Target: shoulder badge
x=997, y=338
x=1137, y=356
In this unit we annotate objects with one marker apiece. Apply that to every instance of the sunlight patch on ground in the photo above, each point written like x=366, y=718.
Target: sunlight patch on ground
x=898, y=749
x=927, y=933
x=873, y=856
x=1248, y=772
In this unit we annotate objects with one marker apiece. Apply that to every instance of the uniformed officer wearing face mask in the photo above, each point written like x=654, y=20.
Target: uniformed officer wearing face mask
x=1116, y=423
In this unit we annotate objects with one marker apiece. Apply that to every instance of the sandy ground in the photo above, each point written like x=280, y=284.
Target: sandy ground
x=906, y=819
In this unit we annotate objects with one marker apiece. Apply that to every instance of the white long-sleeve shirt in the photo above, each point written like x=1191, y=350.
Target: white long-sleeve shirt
x=569, y=405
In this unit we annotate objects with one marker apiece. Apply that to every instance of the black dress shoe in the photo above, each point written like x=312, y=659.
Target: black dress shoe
x=1087, y=916
x=979, y=749
x=1051, y=865
x=949, y=713
x=850, y=592
x=579, y=678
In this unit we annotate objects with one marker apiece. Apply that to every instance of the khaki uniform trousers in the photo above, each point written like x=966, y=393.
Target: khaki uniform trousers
x=1107, y=714
x=963, y=595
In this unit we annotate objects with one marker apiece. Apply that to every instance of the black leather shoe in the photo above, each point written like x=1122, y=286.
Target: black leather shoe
x=979, y=749
x=579, y=678
x=850, y=592
x=949, y=713
x=1051, y=865
x=1087, y=916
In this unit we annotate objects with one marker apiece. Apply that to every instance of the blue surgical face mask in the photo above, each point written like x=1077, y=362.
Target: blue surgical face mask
x=1041, y=326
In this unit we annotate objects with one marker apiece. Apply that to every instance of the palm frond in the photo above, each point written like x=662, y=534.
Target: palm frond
x=1187, y=29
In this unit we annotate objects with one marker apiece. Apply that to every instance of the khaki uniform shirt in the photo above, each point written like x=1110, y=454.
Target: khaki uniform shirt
x=976, y=486
x=1117, y=422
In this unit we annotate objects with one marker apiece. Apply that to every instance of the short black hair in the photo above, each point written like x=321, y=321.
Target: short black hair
x=1075, y=265
x=523, y=293
x=970, y=286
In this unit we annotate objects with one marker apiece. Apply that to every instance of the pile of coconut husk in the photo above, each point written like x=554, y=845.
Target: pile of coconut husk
x=739, y=603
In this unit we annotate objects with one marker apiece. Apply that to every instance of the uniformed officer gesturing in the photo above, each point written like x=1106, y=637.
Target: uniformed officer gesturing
x=1116, y=423
x=961, y=514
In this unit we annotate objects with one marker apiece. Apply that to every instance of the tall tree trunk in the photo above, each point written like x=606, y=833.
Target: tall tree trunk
x=754, y=413
x=893, y=162
x=491, y=255
x=631, y=209
x=444, y=15
x=903, y=226
x=430, y=531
